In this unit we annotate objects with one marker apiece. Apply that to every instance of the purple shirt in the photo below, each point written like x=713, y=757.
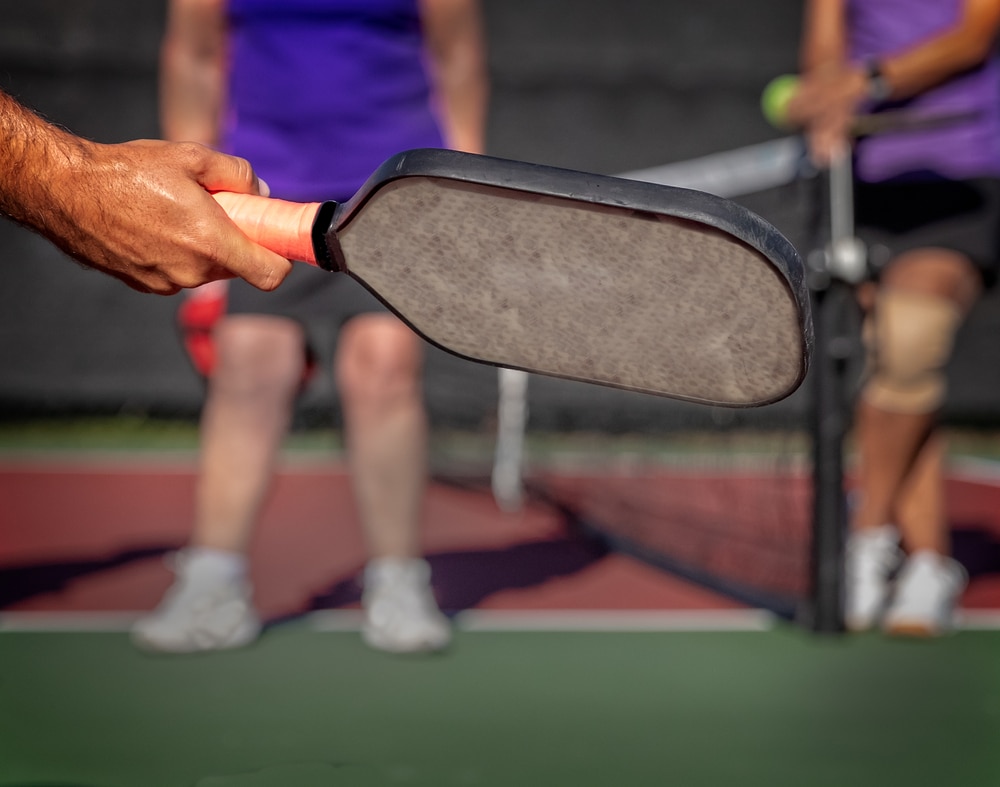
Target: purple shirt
x=964, y=149
x=323, y=91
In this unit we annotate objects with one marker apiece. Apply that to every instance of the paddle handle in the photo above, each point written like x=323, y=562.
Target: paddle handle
x=283, y=227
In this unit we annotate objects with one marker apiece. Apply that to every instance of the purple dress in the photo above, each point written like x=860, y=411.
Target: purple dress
x=320, y=93
x=323, y=91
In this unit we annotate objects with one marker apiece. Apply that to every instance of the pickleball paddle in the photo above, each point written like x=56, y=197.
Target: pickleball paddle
x=586, y=277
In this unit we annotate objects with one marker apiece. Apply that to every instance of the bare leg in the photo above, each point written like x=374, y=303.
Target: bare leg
x=245, y=419
x=920, y=510
x=209, y=606
x=894, y=475
x=888, y=444
x=901, y=459
x=379, y=376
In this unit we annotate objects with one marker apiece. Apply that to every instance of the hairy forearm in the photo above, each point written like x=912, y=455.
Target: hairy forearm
x=140, y=211
x=32, y=153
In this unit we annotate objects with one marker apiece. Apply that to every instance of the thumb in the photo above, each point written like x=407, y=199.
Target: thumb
x=231, y=173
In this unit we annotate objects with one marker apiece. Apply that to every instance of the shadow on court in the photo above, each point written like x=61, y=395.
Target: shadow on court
x=463, y=579
x=21, y=582
x=977, y=547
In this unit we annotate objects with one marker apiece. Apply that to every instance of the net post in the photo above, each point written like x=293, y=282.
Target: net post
x=831, y=414
x=833, y=273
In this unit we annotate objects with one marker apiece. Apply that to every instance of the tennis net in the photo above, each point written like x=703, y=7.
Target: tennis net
x=745, y=502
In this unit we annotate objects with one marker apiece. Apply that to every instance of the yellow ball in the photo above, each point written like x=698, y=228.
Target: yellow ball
x=774, y=100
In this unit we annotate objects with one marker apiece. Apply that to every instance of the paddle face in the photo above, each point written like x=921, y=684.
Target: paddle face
x=585, y=277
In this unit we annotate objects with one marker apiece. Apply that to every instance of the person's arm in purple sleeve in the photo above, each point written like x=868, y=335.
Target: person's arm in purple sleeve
x=833, y=89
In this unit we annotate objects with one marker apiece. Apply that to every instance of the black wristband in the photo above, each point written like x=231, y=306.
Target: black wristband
x=879, y=88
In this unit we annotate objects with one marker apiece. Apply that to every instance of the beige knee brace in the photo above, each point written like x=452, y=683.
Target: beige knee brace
x=909, y=340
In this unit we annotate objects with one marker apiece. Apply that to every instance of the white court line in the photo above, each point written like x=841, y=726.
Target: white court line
x=615, y=621
x=978, y=620
x=967, y=468
x=349, y=620
x=67, y=622
x=484, y=621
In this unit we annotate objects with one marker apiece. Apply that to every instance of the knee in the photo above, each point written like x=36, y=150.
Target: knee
x=379, y=363
x=910, y=337
x=258, y=354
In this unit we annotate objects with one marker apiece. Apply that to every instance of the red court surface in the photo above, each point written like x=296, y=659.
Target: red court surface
x=91, y=535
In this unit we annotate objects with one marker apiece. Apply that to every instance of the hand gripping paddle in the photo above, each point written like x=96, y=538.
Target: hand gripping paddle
x=586, y=277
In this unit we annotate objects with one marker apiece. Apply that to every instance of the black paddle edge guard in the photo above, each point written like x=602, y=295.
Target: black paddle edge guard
x=698, y=207
x=326, y=247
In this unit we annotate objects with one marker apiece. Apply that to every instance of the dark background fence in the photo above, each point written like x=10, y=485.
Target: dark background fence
x=586, y=84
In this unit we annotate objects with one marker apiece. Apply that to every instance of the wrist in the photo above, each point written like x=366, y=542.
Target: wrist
x=36, y=165
x=876, y=83
x=68, y=160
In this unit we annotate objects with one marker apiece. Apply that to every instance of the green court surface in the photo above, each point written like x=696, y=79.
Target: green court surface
x=304, y=708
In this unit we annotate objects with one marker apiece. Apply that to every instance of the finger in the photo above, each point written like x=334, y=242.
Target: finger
x=819, y=151
x=230, y=173
x=244, y=259
x=260, y=267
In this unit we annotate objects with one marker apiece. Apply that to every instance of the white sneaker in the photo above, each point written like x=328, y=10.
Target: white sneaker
x=202, y=610
x=872, y=555
x=401, y=614
x=927, y=592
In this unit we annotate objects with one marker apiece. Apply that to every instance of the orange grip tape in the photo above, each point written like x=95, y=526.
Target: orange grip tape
x=283, y=227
